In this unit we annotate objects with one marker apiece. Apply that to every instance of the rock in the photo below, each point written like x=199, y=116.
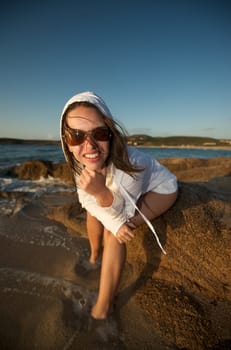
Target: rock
x=193, y=169
x=184, y=296
x=62, y=171
x=185, y=291
x=35, y=169
x=32, y=169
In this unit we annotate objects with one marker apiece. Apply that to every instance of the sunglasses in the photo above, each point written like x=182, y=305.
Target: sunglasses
x=75, y=137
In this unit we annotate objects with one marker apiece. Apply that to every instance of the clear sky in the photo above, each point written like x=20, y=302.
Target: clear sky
x=163, y=67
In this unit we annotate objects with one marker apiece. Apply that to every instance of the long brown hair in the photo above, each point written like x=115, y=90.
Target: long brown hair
x=118, y=154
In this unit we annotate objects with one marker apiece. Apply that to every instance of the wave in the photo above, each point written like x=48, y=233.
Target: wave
x=38, y=187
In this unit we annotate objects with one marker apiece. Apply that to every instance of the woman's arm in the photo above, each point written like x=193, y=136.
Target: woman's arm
x=94, y=183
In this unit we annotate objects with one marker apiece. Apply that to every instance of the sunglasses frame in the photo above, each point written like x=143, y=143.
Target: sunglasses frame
x=84, y=134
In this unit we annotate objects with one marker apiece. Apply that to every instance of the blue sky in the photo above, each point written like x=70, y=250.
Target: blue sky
x=163, y=67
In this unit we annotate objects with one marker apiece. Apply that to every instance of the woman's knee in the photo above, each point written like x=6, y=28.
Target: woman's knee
x=160, y=203
x=110, y=239
x=154, y=204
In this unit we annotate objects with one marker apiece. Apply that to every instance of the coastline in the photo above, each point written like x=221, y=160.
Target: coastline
x=225, y=148
x=225, y=145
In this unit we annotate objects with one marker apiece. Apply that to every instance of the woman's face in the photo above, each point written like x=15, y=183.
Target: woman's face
x=91, y=153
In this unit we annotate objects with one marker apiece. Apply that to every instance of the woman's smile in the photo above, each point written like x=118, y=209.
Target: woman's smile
x=92, y=155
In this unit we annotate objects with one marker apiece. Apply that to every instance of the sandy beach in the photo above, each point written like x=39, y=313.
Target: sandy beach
x=181, y=300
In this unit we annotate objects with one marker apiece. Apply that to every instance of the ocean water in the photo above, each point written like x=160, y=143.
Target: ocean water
x=15, y=154
x=159, y=153
x=11, y=155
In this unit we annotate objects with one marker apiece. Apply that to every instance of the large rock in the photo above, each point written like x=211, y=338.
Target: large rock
x=32, y=169
x=35, y=169
x=187, y=293
x=184, y=296
x=194, y=169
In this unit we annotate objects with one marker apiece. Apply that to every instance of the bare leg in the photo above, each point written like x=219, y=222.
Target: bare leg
x=152, y=205
x=95, y=235
x=114, y=255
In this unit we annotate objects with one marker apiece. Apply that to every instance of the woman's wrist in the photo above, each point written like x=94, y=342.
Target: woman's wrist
x=131, y=224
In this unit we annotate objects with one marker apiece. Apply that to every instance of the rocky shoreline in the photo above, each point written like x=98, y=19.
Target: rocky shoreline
x=178, y=301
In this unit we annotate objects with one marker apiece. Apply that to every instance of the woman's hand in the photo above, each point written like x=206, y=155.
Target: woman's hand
x=94, y=183
x=124, y=234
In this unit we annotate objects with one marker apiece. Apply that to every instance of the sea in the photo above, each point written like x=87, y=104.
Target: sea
x=14, y=154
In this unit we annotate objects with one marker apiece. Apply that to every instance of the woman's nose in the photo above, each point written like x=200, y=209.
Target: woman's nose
x=89, y=141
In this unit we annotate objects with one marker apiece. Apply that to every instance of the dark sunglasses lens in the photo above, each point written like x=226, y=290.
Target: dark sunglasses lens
x=101, y=134
x=75, y=138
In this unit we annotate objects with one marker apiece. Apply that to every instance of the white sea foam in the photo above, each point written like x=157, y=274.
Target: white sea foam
x=22, y=281
x=36, y=188
x=49, y=184
x=34, y=232
x=7, y=206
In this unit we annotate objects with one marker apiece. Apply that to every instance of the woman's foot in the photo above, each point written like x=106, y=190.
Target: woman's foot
x=106, y=329
x=89, y=266
x=99, y=313
x=86, y=266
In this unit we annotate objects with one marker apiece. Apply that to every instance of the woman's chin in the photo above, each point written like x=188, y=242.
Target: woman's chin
x=93, y=166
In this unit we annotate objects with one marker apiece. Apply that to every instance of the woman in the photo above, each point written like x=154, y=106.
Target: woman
x=119, y=187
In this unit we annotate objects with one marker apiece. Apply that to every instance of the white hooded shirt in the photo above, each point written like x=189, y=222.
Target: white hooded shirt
x=126, y=189
x=155, y=177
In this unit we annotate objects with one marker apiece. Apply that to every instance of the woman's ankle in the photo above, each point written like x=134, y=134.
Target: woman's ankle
x=93, y=260
x=100, y=313
x=95, y=257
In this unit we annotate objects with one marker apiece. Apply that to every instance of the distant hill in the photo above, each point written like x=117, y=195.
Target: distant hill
x=7, y=140
x=146, y=140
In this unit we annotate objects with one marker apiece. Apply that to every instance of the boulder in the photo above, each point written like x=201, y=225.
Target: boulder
x=35, y=169
x=187, y=292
